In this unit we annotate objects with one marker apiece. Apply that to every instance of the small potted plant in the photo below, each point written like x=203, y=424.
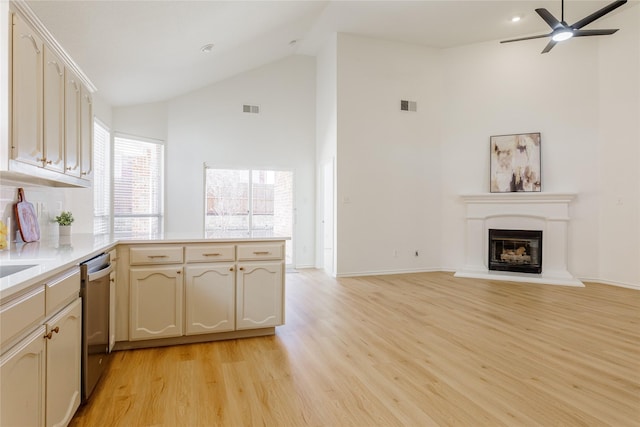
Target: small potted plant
x=64, y=221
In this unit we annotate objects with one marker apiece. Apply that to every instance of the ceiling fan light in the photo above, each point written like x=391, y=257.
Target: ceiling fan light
x=562, y=36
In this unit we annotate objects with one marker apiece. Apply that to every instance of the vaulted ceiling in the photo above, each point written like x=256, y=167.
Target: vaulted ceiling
x=145, y=51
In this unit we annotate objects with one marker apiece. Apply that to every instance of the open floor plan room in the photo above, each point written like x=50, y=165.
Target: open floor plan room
x=398, y=350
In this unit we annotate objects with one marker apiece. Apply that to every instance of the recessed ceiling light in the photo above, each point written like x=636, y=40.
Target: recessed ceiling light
x=516, y=18
x=207, y=48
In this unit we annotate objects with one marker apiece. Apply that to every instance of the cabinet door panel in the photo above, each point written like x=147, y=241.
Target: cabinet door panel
x=53, y=132
x=72, y=124
x=259, y=295
x=210, y=298
x=63, y=365
x=86, y=133
x=22, y=382
x=156, y=302
x=27, y=94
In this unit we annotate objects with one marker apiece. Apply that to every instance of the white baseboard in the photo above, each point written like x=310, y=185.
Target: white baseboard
x=388, y=272
x=613, y=283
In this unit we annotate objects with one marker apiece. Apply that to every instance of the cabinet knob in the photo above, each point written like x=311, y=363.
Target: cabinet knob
x=50, y=334
x=241, y=268
x=230, y=268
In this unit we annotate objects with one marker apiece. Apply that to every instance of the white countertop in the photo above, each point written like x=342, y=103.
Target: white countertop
x=56, y=255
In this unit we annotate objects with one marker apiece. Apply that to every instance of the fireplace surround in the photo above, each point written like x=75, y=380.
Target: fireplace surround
x=546, y=212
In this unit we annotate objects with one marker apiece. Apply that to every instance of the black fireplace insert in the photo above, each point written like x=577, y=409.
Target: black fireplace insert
x=515, y=250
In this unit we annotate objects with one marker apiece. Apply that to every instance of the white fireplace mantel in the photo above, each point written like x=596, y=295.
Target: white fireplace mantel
x=548, y=212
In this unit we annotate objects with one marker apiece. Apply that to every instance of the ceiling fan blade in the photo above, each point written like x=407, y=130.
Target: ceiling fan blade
x=549, y=18
x=584, y=33
x=526, y=38
x=595, y=15
x=549, y=46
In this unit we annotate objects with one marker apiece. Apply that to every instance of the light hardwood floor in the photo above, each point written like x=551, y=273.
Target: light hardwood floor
x=422, y=349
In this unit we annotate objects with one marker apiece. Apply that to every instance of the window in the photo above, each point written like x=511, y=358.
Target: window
x=257, y=203
x=138, y=178
x=101, y=178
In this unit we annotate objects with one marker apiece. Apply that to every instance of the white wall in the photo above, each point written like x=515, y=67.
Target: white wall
x=145, y=120
x=619, y=150
x=582, y=97
x=209, y=126
x=388, y=161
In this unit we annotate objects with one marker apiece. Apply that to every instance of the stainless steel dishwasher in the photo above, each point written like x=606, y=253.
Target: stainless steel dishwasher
x=94, y=291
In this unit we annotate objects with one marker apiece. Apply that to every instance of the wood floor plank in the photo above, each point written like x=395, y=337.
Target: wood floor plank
x=424, y=349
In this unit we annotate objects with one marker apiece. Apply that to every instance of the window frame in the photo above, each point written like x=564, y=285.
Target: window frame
x=97, y=123
x=160, y=214
x=291, y=242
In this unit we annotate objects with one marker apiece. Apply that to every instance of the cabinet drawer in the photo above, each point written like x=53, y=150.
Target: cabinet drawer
x=155, y=255
x=210, y=253
x=21, y=312
x=61, y=291
x=257, y=251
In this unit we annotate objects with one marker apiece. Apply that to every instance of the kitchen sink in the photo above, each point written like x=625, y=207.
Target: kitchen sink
x=7, y=270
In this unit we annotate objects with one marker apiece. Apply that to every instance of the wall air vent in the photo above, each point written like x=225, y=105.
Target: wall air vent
x=408, y=106
x=254, y=109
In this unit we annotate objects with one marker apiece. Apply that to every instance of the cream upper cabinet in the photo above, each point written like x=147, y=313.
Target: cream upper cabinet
x=72, y=90
x=64, y=339
x=209, y=298
x=86, y=133
x=259, y=295
x=27, y=103
x=155, y=302
x=53, y=109
x=22, y=382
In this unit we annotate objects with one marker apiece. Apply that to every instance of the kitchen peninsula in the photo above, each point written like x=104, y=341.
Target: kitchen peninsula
x=164, y=290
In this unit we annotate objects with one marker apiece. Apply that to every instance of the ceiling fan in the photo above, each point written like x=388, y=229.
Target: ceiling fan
x=562, y=31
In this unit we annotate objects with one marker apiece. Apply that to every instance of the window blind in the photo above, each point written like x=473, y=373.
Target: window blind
x=138, y=178
x=101, y=179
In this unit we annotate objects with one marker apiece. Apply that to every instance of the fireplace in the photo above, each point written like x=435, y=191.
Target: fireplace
x=544, y=211
x=515, y=250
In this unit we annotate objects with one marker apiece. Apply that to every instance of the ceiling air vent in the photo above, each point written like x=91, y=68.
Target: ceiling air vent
x=408, y=105
x=255, y=109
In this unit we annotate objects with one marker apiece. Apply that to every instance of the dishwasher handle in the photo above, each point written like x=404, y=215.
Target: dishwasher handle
x=100, y=273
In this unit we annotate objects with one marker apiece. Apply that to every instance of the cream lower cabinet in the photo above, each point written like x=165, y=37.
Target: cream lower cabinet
x=259, y=295
x=155, y=302
x=189, y=292
x=22, y=382
x=40, y=373
x=209, y=298
x=63, y=364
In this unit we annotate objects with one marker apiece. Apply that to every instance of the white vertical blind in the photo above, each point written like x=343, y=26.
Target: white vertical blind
x=101, y=178
x=138, y=179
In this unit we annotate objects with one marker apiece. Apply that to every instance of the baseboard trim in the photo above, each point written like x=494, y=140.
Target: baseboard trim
x=612, y=283
x=192, y=339
x=388, y=272
x=452, y=270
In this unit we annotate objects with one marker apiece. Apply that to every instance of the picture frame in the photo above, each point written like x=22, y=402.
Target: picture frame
x=515, y=163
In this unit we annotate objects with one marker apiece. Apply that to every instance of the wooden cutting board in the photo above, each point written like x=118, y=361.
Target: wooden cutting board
x=27, y=220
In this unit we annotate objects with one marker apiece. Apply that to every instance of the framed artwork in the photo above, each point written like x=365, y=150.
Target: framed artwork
x=515, y=163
